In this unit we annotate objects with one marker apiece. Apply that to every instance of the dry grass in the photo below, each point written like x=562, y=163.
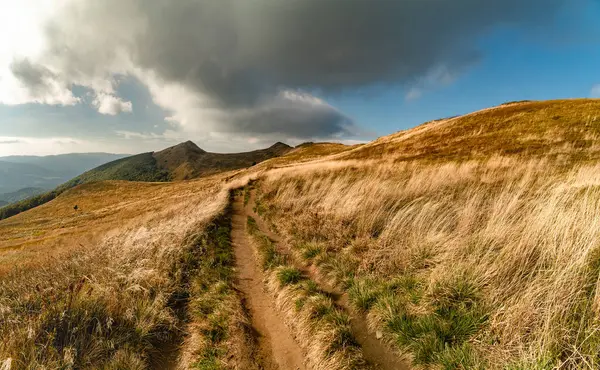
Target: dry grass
x=470, y=242
x=565, y=130
x=506, y=247
x=322, y=329
x=120, y=300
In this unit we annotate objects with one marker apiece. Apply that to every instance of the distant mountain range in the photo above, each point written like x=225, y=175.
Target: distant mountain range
x=20, y=194
x=19, y=172
x=180, y=162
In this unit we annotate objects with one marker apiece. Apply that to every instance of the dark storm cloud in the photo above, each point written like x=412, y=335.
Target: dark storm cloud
x=238, y=50
x=243, y=53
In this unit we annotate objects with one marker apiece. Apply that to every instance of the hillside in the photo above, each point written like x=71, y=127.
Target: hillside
x=187, y=160
x=467, y=242
x=180, y=162
x=561, y=129
x=14, y=176
x=464, y=243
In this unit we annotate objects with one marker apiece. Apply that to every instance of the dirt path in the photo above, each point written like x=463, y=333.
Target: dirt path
x=278, y=349
x=378, y=354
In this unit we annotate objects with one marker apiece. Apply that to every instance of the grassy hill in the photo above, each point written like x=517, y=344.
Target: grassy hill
x=187, y=160
x=180, y=162
x=562, y=129
x=465, y=243
x=468, y=242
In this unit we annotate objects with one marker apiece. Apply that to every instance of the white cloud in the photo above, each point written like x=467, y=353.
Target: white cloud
x=140, y=135
x=437, y=77
x=414, y=93
x=22, y=37
x=595, y=93
x=111, y=104
x=10, y=145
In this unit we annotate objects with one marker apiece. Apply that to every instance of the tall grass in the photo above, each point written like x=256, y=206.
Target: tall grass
x=110, y=305
x=521, y=235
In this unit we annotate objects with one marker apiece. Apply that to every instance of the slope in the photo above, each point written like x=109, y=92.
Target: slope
x=187, y=160
x=20, y=194
x=470, y=242
x=14, y=176
x=180, y=162
x=567, y=129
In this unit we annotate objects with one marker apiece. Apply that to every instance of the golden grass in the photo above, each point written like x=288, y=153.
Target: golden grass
x=117, y=300
x=566, y=129
x=102, y=208
x=521, y=233
x=470, y=242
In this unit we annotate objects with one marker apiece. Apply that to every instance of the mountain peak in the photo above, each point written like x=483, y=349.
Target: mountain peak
x=280, y=145
x=189, y=145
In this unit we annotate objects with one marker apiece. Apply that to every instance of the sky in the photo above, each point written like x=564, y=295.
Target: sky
x=233, y=75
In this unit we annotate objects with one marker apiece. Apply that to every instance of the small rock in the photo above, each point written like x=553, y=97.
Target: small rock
x=378, y=334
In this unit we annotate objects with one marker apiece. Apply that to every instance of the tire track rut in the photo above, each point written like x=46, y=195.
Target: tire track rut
x=277, y=347
x=377, y=353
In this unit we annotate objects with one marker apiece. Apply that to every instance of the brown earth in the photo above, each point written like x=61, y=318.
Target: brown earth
x=277, y=347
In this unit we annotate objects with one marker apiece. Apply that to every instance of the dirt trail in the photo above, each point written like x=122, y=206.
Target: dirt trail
x=377, y=353
x=278, y=349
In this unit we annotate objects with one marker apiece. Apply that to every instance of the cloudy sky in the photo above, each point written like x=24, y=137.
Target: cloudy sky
x=139, y=75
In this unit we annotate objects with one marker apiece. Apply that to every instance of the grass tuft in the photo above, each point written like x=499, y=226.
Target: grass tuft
x=289, y=276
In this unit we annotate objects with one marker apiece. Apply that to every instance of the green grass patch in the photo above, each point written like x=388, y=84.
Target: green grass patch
x=267, y=249
x=211, y=293
x=311, y=251
x=363, y=293
x=289, y=276
x=439, y=337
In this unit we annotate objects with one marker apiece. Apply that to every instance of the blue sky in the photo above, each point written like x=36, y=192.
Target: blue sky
x=129, y=101
x=515, y=66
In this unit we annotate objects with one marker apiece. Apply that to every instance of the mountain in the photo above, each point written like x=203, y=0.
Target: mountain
x=187, y=160
x=3, y=203
x=18, y=172
x=14, y=176
x=20, y=194
x=180, y=162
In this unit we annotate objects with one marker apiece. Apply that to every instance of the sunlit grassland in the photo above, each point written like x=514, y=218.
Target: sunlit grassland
x=478, y=258
x=120, y=300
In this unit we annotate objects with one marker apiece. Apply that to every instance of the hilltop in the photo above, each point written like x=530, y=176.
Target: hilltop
x=567, y=129
x=186, y=161
x=180, y=162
